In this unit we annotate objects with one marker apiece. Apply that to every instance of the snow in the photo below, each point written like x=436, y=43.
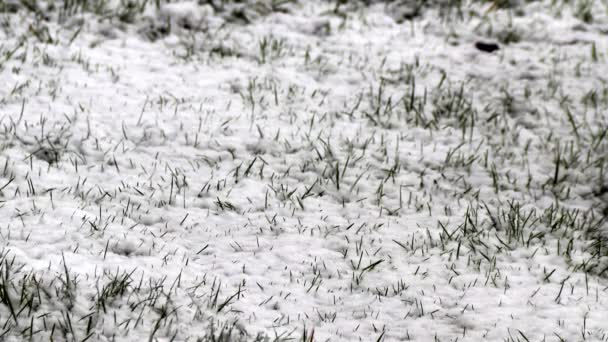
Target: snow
x=276, y=189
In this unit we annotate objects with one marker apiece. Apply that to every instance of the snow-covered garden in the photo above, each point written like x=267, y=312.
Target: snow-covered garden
x=303, y=170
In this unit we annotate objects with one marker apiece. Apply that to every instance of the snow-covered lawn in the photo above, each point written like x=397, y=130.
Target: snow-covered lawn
x=303, y=171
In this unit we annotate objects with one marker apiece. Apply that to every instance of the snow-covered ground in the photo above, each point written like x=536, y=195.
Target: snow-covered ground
x=281, y=170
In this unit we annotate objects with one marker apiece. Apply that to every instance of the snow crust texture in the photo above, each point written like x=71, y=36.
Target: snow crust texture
x=303, y=171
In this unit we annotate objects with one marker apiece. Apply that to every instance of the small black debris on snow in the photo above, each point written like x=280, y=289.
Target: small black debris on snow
x=487, y=47
x=48, y=154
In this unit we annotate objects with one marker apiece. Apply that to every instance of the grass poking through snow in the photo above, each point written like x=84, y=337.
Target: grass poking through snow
x=303, y=170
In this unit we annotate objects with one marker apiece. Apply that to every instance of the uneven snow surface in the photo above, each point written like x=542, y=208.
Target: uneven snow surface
x=304, y=173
